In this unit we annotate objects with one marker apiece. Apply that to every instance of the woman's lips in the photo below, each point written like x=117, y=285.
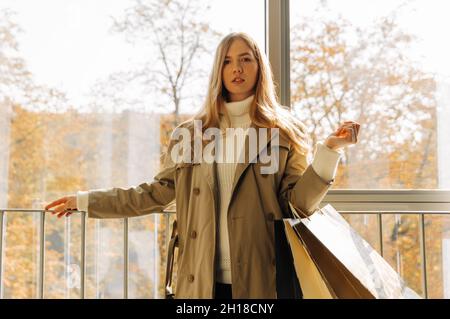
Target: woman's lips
x=238, y=81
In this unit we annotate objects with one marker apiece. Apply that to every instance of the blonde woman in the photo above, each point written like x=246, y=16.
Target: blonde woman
x=225, y=209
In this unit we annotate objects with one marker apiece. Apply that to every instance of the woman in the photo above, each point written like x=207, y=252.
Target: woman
x=225, y=210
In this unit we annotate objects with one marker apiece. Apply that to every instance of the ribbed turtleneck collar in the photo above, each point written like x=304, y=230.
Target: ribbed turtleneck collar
x=240, y=107
x=239, y=111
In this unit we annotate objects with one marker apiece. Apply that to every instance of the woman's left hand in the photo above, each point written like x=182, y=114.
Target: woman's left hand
x=346, y=134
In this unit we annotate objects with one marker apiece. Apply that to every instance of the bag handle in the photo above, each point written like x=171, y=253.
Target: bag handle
x=173, y=243
x=295, y=212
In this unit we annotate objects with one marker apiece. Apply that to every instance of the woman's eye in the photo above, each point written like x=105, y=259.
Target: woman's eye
x=242, y=60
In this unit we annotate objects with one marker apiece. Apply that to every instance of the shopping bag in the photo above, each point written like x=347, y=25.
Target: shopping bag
x=331, y=260
x=313, y=284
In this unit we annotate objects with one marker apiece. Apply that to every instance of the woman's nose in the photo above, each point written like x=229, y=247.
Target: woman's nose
x=237, y=68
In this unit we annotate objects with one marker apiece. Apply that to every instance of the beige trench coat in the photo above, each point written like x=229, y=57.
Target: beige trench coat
x=256, y=200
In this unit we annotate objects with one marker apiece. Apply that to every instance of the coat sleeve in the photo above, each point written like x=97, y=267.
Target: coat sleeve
x=301, y=185
x=144, y=199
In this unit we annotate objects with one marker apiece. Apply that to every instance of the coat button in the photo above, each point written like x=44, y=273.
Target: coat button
x=191, y=278
x=270, y=216
x=194, y=234
x=196, y=190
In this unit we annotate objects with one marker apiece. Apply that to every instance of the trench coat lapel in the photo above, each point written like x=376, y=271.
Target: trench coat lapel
x=209, y=169
x=241, y=167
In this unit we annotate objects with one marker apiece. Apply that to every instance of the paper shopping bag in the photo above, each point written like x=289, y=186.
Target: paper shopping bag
x=313, y=284
x=327, y=247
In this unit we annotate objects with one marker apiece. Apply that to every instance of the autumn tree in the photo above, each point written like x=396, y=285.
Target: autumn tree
x=340, y=72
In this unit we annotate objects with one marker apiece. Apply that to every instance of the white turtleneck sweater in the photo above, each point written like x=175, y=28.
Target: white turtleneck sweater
x=325, y=164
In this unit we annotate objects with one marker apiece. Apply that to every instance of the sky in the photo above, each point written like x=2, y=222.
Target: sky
x=67, y=44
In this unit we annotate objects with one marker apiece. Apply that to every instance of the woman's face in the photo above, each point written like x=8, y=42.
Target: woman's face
x=240, y=71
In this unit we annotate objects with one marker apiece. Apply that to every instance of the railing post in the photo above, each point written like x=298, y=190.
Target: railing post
x=423, y=255
x=125, y=254
x=1, y=254
x=380, y=232
x=96, y=255
x=67, y=257
x=41, y=256
x=83, y=255
x=155, y=249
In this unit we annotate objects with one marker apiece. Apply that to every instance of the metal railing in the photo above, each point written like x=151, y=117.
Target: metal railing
x=378, y=202
x=41, y=268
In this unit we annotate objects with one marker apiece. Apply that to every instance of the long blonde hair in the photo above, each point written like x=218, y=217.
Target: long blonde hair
x=265, y=110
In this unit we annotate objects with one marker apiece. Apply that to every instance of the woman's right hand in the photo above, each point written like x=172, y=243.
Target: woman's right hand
x=63, y=206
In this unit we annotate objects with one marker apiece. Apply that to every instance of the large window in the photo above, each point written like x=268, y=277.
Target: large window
x=89, y=92
x=384, y=64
